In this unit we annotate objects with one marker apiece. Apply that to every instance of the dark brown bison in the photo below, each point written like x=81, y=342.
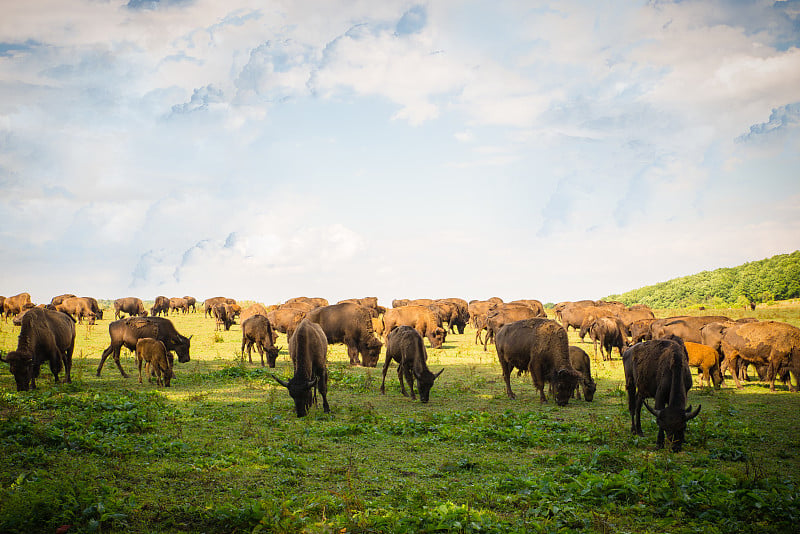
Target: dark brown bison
x=191, y=302
x=208, y=304
x=126, y=332
x=611, y=333
x=95, y=307
x=153, y=354
x=350, y=324
x=461, y=320
x=659, y=369
x=706, y=360
x=160, y=306
x=405, y=346
x=308, y=349
x=17, y=304
x=45, y=336
x=580, y=362
x=224, y=316
x=540, y=347
x=424, y=319
x=772, y=344
x=77, y=308
x=257, y=330
x=133, y=306
x=285, y=320
x=502, y=314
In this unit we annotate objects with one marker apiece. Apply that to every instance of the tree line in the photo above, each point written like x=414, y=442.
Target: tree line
x=775, y=278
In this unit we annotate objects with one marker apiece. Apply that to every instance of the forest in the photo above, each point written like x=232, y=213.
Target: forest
x=762, y=281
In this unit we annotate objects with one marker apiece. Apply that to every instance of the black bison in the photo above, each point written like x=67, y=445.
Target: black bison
x=257, y=330
x=540, y=347
x=350, y=324
x=77, y=307
x=580, y=362
x=423, y=318
x=659, y=369
x=126, y=332
x=308, y=348
x=133, y=306
x=153, y=354
x=160, y=306
x=405, y=346
x=46, y=336
x=769, y=344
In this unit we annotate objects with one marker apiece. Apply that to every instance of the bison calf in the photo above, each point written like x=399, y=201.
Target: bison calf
x=405, y=346
x=308, y=349
x=580, y=362
x=257, y=330
x=153, y=353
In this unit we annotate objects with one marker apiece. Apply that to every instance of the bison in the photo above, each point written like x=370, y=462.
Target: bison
x=95, y=307
x=772, y=344
x=308, y=348
x=706, y=360
x=191, y=302
x=126, y=332
x=611, y=333
x=17, y=304
x=502, y=314
x=659, y=369
x=133, y=306
x=160, y=306
x=424, y=319
x=209, y=304
x=285, y=320
x=223, y=315
x=257, y=330
x=153, y=353
x=55, y=301
x=77, y=307
x=580, y=362
x=45, y=336
x=540, y=347
x=405, y=346
x=350, y=324
x=686, y=328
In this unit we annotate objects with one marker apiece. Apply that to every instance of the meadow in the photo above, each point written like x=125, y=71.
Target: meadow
x=222, y=451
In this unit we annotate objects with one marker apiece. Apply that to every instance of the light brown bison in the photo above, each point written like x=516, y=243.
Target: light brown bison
x=422, y=318
x=45, y=336
x=17, y=304
x=285, y=320
x=502, y=314
x=253, y=309
x=686, y=328
x=538, y=346
x=350, y=324
x=257, y=330
x=308, y=348
x=706, y=360
x=153, y=354
x=772, y=344
x=659, y=369
x=178, y=303
x=534, y=304
x=133, y=306
x=160, y=306
x=55, y=301
x=208, y=304
x=77, y=308
x=405, y=346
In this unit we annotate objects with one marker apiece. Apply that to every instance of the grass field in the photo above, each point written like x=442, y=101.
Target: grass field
x=222, y=451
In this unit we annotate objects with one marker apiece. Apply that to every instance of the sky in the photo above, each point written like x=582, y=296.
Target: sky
x=263, y=150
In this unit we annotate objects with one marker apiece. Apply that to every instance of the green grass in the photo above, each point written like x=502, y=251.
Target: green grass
x=221, y=451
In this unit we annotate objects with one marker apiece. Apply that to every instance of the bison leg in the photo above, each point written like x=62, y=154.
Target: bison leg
x=410, y=379
x=386, y=365
x=352, y=352
x=506, y=366
x=322, y=385
x=141, y=361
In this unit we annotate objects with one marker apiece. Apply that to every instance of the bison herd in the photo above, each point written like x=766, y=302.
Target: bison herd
x=657, y=354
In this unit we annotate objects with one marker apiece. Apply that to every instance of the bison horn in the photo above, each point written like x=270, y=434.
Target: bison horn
x=281, y=382
x=437, y=374
x=312, y=382
x=693, y=414
x=651, y=410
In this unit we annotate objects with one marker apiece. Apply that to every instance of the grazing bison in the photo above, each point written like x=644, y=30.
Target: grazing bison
x=308, y=348
x=224, y=316
x=153, y=354
x=257, y=330
x=95, y=307
x=179, y=303
x=191, y=302
x=405, y=346
x=160, y=306
x=55, y=301
x=580, y=362
x=611, y=333
x=285, y=320
x=126, y=332
x=350, y=324
x=209, y=304
x=540, y=347
x=659, y=369
x=17, y=304
x=397, y=303
x=424, y=319
x=133, y=306
x=706, y=360
x=45, y=336
x=772, y=344
x=77, y=308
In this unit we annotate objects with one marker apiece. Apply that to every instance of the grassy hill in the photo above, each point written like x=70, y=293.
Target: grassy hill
x=775, y=278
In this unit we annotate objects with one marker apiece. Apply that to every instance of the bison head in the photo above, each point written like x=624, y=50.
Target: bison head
x=564, y=384
x=425, y=383
x=272, y=355
x=181, y=347
x=370, y=352
x=301, y=391
x=22, y=368
x=672, y=422
x=437, y=337
x=589, y=387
